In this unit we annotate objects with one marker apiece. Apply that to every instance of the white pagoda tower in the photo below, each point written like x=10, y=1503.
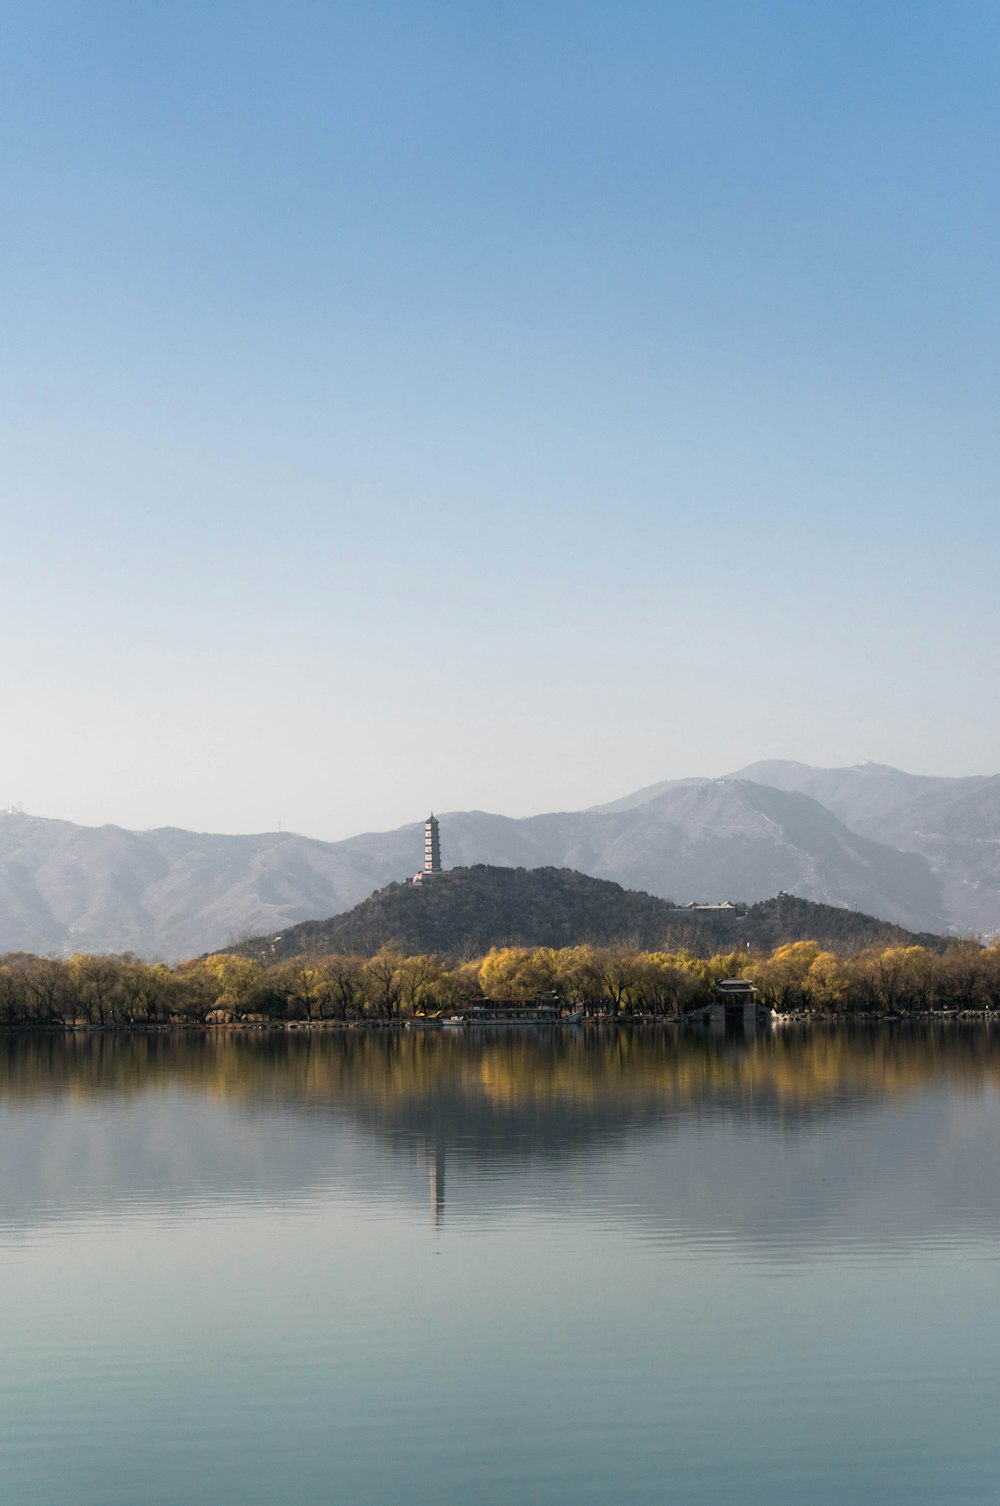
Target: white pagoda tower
x=432, y=850
x=432, y=846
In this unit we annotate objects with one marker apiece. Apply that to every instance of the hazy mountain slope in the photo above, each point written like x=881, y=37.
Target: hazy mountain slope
x=733, y=839
x=173, y=893
x=954, y=823
x=707, y=839
x=872, y=798
x=465, y=911
x=471, y=837
x=961, y=839
x=165, y=892
x=650, y=792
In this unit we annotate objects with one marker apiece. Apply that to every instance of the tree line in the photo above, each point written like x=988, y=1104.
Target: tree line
x=122, y=990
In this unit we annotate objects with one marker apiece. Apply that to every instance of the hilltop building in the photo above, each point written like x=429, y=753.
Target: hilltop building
x=432, y=850
x=432, y=845
x=700, y=907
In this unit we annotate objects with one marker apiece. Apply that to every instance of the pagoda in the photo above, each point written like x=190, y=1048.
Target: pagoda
x=432, y=850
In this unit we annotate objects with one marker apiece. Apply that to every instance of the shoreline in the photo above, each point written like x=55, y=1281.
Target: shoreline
x=591, y=1022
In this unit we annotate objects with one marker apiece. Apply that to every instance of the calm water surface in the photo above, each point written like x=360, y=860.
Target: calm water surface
x=633, y=1268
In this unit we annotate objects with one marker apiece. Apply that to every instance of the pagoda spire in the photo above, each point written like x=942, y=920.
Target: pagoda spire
x=432, y=845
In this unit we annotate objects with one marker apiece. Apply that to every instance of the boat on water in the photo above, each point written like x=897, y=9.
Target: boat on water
x=507, y=1013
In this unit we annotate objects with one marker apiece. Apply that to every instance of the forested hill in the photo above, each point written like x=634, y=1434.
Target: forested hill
x=466, y=911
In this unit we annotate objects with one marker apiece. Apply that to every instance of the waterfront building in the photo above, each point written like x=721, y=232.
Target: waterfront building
x=735, y=1001
x=734, y=994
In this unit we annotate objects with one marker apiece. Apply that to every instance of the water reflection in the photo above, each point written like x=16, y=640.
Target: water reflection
x=866, y=1128
x=587, y=1268
x=790, y=1070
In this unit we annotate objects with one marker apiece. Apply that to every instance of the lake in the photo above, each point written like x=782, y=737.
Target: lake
x=626, y=1267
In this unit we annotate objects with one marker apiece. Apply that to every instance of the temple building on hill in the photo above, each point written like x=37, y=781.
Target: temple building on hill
x=432, y=850
x=701, y=907
x=432, y=845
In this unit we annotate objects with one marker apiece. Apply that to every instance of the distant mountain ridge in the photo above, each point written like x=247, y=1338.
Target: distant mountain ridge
x=919, y=851
x=952, y=822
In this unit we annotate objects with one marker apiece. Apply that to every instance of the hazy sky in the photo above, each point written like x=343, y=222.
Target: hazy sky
x=502, y=405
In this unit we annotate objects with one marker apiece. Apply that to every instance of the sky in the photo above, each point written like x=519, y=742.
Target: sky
x=450, y=405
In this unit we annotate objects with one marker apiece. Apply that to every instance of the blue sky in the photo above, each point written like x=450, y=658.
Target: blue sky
x=502, y=406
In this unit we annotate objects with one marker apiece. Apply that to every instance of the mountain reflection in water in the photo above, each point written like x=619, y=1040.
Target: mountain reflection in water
x=627, y=1119
x=570, y=1269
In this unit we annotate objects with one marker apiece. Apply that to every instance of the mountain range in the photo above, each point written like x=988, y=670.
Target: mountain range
x=920, y=851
